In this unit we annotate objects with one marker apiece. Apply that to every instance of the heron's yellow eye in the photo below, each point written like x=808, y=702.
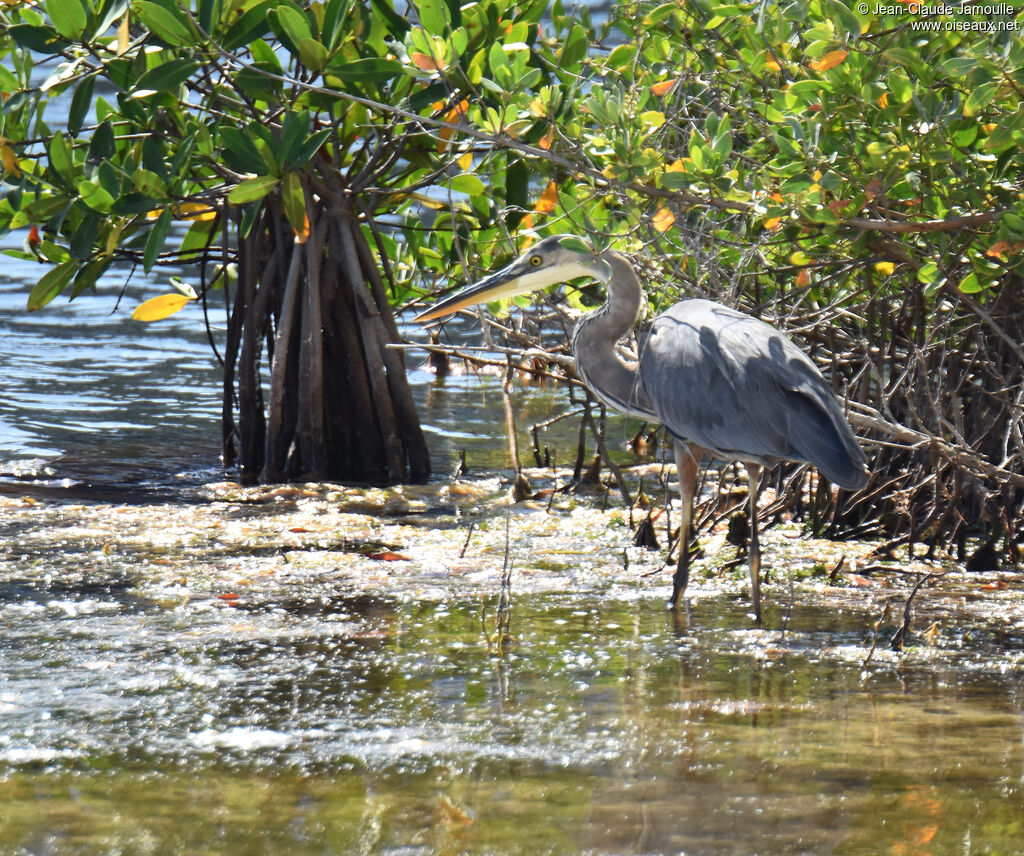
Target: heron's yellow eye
x=535, y=260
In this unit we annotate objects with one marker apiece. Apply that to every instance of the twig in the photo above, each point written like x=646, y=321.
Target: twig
x=897, y=640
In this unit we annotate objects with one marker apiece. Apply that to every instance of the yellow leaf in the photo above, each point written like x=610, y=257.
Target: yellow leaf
x=883, y=100
x=772, y=223
x=885, y=268
x=465, y=162
x=678, y=166
x=548, y=199
x=829, y=61
x=10, y=159
x=124, y=35
x=817, y=175
x=194, y=211
x=771, y=64
x=989, y=127
x=663, y=219
x=158, y=308
x=663, y=86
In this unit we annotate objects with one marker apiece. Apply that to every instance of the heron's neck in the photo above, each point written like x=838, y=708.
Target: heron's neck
x=613, y=379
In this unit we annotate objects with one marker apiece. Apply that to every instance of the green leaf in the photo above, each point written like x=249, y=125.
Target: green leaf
x=68, y=17
x=240, y=151
x=252, y=189
x=309, y=148
x=253, y=24
x=313, y=54
x=171, y=27
x=290, y=25
x=846, y=19
x=293, y=198
x=433, y=16
x=107, y=12
x=149, y=183
x=95, y=196
x=294, y=131
x=1014, y=223
x=167, y=75
x=53, y=283
x=157, y=236
x=369, y=70
x=43, y=209
x=60, y=157
x=38, y=39
x=101, y=146
x=908, y=59
x=971, y=285
x=81, y=101
x=958, y=66
x=576, y=47
x=980, y=97
x=468, y=183
x=398, y=25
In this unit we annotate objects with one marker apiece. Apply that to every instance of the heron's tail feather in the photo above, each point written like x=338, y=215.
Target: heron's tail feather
x=820, y=434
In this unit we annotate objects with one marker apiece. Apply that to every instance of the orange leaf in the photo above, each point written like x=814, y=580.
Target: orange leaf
x=387, y=556
x=548, y=199
x=776, y=197
x=883, y=100
x=803, y=279
x=547, y=140
x=829, y=61
x=998, y=249
x=227, y=596
x=663, y=219
x=663, y=86
x=33, y=236
x=772, y=223
x=421, y=60
x=858, y=580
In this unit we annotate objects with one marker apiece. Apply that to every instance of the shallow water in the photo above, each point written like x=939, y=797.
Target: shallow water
x=242, y=673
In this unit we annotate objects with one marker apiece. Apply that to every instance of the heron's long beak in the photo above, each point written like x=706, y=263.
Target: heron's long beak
x=503, y=283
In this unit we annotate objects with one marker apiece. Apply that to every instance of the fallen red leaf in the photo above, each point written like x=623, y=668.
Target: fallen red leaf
x=387, y=556
x=227, y=596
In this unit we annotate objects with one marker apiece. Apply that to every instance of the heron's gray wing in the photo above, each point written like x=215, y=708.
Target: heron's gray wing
x=742, y=389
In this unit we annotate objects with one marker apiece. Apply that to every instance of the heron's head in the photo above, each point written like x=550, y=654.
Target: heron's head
x=552, y=260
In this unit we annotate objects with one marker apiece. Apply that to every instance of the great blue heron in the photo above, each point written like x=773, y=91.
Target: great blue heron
x=721, y=382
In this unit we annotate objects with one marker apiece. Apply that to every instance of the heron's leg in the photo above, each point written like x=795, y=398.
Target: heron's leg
x=754, y=553
x=688, y=457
